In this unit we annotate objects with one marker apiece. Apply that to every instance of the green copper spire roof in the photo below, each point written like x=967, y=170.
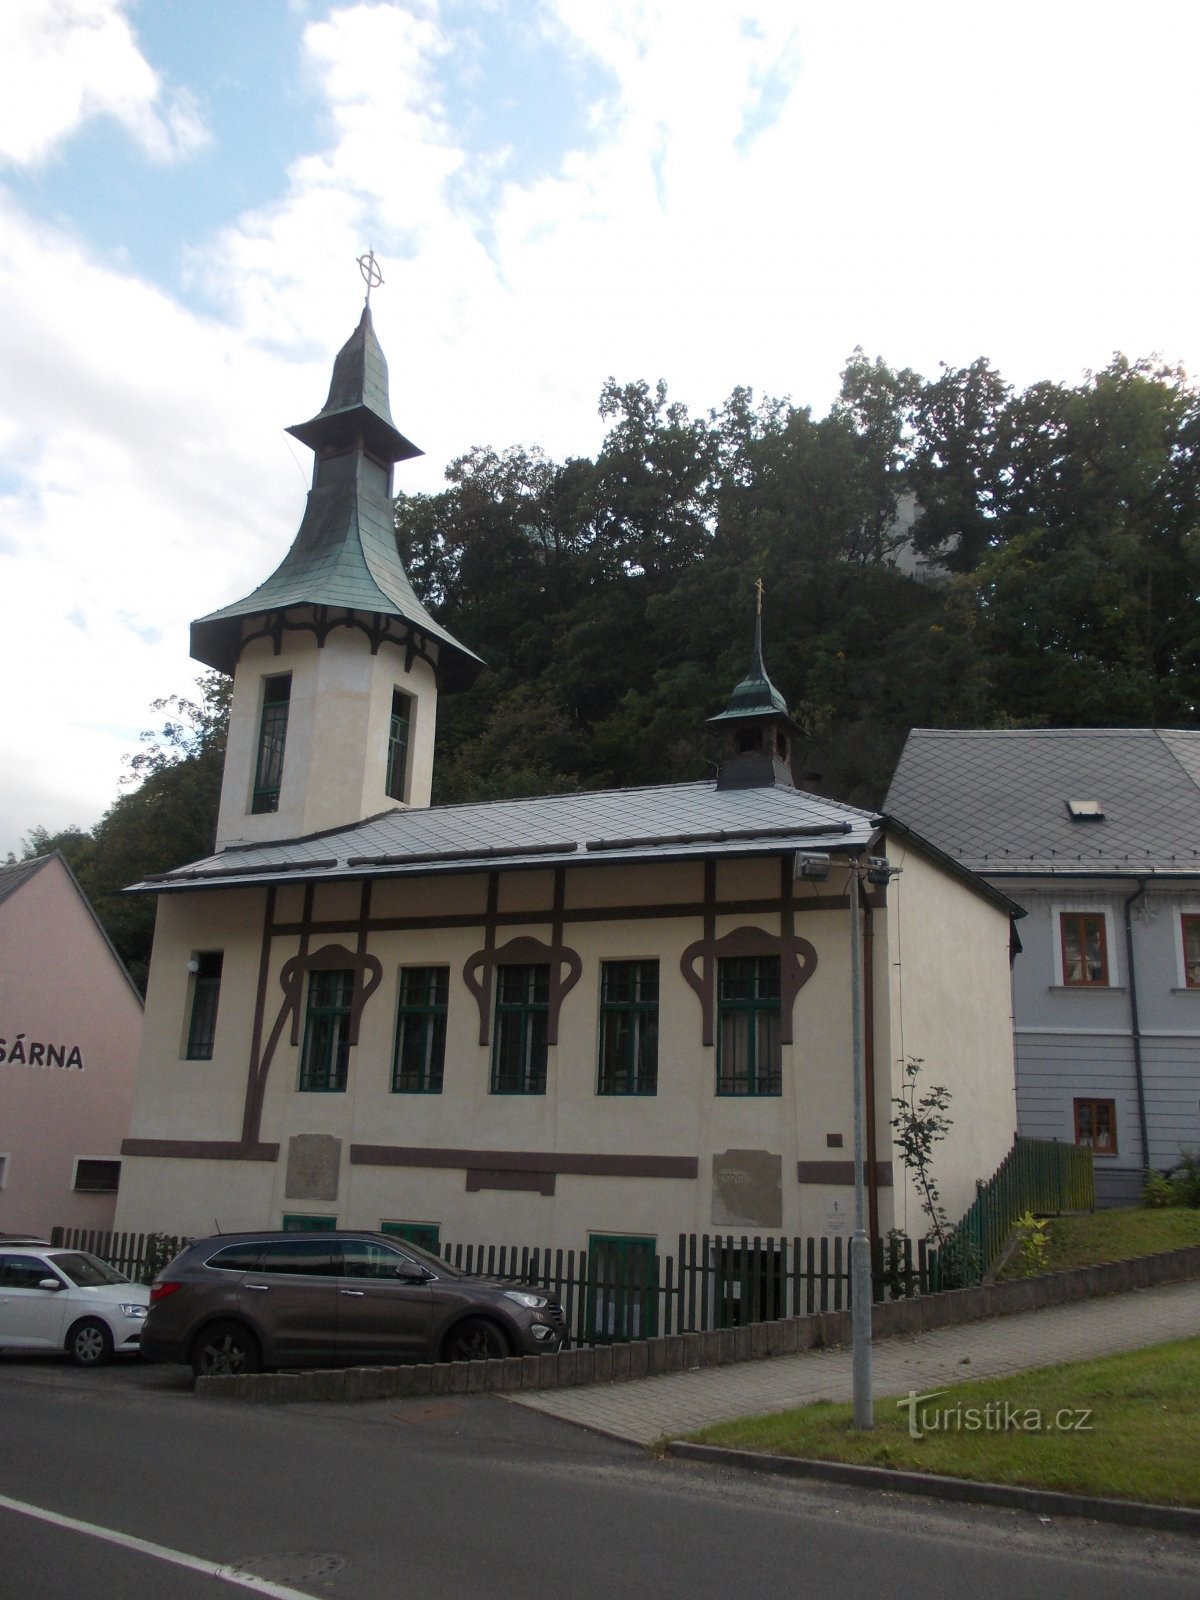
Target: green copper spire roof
x=756, y=695
x=344, y=555
x=358, y=405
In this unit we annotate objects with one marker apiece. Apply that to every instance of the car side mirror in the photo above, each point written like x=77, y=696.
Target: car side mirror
x=49, y=1283
x=410, y=1272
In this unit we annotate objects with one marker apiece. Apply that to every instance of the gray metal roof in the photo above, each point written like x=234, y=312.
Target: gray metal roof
x=998, y=800
x=675, y=821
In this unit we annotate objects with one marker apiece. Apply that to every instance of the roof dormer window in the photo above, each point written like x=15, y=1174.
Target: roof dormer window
x=1085, y=810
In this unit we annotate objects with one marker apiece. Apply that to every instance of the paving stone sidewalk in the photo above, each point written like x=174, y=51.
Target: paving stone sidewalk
x=645, y=1409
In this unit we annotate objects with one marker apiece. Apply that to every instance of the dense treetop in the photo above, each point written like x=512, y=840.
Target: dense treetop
x=1050, y=578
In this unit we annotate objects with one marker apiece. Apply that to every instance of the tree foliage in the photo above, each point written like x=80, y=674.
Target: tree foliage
x=1050, y=578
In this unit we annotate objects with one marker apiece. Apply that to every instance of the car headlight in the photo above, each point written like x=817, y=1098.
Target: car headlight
x=134, y=1313
x=531, y=1302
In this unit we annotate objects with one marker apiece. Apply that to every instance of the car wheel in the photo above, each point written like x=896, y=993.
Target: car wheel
x=475, y=1339
x=89, y=1344
x=224, y=1350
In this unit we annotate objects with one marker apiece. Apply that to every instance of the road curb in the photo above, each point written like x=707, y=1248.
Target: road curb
x=1042, y=1502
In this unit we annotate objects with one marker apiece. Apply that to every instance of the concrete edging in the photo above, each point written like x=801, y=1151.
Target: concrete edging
x=1042, y=1502
x=681, y=1352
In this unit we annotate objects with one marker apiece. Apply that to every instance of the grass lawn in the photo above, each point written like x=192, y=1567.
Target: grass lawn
x=1140, y=1439
x=1118, y=1235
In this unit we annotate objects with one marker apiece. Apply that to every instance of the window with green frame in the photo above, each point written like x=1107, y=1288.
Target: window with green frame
x=426, y=1235
x=303, y=1222
x=628, y=1027
x=202, y=1018
x=272, y=736
x=421, y=1030
x=749, y=1059
x=520, y=1043
x=397, y=751
x=325, y=1057
x=622, y=1300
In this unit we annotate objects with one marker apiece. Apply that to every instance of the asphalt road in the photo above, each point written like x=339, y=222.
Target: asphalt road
x=462, y=1498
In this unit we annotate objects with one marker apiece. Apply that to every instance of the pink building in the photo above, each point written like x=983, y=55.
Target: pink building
x=70, y=1030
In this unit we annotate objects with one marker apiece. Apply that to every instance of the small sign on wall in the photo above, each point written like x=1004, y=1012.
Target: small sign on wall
x=837, y=1214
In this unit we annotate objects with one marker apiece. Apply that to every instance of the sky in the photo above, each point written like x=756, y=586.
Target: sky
x=712, y=192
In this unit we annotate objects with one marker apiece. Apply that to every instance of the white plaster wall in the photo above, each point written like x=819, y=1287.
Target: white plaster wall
x=60, y=984
x=949, y=1002
x=335, y=758
x=954, y=972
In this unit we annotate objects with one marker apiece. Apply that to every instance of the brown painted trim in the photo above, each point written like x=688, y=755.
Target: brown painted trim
x=527, y=1182
x=797, y=963
x=841, y=1172
x=582, y=914
x=252, y=1112
x=595, y=1166
x=523, y=951
x=201, y=1149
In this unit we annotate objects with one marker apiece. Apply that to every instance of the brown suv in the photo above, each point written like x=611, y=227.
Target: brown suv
x=237, y=1302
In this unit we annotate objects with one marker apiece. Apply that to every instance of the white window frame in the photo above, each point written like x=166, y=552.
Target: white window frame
x=1085, y=906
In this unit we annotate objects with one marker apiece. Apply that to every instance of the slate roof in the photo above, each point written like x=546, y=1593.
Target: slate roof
x=670, y=822
x=997, y=801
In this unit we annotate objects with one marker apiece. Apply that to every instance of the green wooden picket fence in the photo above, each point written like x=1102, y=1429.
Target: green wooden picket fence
x=621, y=1288
x=1043, y=1176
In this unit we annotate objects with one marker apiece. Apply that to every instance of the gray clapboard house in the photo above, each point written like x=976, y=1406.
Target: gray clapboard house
x=1096, y=833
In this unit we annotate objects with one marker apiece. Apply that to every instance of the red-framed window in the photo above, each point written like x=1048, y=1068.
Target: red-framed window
x=1083, y=937
x=1096, y=1125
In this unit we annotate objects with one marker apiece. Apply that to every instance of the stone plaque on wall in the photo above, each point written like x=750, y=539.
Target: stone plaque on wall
x=747, y=1189
x=314, y=1163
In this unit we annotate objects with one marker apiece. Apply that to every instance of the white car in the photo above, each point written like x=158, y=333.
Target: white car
x=68, y=1300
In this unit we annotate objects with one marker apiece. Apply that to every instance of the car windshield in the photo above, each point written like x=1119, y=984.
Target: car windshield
x=86, y=1271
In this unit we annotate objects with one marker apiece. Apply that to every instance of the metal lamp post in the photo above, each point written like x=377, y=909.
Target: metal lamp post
x=860, y=1244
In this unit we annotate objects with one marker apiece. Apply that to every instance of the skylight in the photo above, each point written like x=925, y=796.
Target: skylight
x=1085, y=810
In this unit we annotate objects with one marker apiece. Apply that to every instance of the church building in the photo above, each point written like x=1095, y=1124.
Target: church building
x=617, y=1015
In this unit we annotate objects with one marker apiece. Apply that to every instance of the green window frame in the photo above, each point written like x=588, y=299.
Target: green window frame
x=622, y=1287
x=272, y=737
x=749, y=1054
x=420, y=1055
x=628, y=1028
x=303, y=1222
x=397, y=751
x=202, y=1015
x=325, y=1056
x=426, y=1235
x=520, y=1043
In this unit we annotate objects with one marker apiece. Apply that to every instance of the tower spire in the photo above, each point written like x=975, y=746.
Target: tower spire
x=756, y=724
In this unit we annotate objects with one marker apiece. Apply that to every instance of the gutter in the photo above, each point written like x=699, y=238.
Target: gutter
x=1134, y=1024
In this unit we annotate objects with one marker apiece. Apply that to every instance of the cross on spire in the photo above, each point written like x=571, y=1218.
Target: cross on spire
x=372, y=276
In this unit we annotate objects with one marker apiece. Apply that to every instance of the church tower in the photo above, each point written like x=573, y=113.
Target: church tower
x=336, y=664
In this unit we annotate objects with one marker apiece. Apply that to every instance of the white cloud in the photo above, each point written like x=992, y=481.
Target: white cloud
x=65, y=61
